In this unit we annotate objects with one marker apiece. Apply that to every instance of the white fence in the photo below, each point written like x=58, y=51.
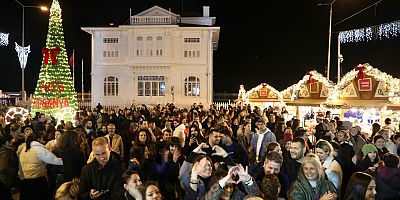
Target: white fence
x=107, y=105
x=225, y=105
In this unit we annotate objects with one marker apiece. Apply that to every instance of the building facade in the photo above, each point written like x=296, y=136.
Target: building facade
x=158, y=58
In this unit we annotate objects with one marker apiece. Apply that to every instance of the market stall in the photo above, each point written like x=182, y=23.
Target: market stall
x=363, y=96
x=261, y=96
x=307, y=96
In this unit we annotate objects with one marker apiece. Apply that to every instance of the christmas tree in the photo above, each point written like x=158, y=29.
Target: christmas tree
x=55, y=93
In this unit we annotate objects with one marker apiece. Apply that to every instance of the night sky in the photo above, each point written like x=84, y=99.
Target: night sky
x=275, y=43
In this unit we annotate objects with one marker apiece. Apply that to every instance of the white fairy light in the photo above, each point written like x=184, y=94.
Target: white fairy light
x=4, y=39
x=386, y=30
x=22, y=54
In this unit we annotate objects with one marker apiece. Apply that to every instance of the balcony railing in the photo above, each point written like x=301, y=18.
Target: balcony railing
x=139, y=20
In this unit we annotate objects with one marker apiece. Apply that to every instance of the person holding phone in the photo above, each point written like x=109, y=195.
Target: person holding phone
x=102, y=178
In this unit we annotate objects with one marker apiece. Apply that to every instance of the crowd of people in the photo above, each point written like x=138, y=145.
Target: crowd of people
x=167, y=152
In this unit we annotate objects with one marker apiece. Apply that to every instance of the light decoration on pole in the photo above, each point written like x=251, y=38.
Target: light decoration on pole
x=312, y=75
x=391, y=84
x=4, y=39
x=55, y=93
x=22, y=54
x=387, y=30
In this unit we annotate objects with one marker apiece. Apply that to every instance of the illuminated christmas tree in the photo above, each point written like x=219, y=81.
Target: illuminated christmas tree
x=55, y=93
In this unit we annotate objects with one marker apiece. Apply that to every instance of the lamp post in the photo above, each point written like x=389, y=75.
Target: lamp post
x=330, y=36
x=24, y=55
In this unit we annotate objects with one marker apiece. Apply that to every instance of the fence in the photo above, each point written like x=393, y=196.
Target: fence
x=225, y=105
x=107, y=105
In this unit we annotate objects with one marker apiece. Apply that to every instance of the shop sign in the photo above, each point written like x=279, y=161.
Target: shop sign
x=365, y=84
x=263, y=92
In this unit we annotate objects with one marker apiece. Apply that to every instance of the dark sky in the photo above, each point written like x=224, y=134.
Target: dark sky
x=275, y=43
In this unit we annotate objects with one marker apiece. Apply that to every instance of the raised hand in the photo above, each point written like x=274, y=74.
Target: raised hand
x=176, y=155
x=329, y=196
x=199, y=149
x=219, y=151
x=243, y=174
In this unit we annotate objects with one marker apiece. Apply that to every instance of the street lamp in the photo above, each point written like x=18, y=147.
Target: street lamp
x=23, y=52
x=330, y=35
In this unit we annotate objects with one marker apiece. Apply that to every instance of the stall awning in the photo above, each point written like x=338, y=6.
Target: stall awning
x=306, y=102
x=359, y=103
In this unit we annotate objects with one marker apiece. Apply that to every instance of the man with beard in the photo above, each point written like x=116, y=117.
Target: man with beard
x=292, y=165
x=234, y=149
x=102, y=178
x=272, y=165
x=90, y=132
x=115, y=140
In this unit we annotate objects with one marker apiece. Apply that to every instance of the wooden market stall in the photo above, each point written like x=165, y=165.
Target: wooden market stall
x=262, y=96
x=306, y=97
x=363, y=96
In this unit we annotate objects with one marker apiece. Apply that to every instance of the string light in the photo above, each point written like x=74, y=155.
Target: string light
x=295, y=88
x=4, y=39
x=16, y=112
x=366, y=34
x=249, y=93
x=390, y=85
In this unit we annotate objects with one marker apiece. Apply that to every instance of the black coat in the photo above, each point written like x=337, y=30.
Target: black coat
x=107, y=178
x=73, y=160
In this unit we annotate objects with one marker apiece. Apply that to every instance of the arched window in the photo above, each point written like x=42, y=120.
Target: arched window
x=110, y=86
x=192, y=86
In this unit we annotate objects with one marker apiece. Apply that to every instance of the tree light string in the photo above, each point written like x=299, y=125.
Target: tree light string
x=55, y=93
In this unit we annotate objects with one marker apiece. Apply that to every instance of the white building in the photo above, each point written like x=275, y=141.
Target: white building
x=159, y=58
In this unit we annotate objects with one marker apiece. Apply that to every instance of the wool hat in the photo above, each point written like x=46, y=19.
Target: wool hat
x=261, y=119
x=287, y=137
x=368, y=148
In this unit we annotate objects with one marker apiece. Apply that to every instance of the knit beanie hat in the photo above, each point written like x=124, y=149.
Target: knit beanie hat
x=287, y=137
x=368, y=148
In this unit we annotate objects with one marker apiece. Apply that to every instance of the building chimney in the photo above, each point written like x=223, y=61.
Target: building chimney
x=206, y=11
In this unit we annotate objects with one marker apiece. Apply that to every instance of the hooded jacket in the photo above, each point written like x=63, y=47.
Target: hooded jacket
x=388, y=183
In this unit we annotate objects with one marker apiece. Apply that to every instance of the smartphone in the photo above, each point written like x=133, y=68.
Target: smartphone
x=104, y=191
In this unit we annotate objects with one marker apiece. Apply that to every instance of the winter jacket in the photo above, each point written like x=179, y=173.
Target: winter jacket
x=8, y=166
x=388, y=183
x=267, y=138
x=333, y=171
x=107, y=178
x=33, y=162
x=117, y=144
x=357, y=142
x=302, y=189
